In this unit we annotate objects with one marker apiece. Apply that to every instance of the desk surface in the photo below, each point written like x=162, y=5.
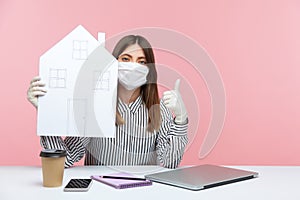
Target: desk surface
x=25, y=182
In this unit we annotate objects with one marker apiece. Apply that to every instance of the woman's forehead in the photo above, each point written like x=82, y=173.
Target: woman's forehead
x=134, y=50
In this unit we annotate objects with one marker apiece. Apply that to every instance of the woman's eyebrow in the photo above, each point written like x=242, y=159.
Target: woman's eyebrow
x=142, y=57
x=126, y=55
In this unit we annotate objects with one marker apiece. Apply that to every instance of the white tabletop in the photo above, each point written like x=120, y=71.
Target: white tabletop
x=25, y=182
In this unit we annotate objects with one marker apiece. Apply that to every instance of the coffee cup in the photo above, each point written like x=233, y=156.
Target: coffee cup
x=53, y=163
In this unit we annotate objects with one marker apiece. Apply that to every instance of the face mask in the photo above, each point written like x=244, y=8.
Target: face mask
x=132, y=75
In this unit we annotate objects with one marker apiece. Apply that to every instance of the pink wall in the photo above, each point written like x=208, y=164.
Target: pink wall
x=255, y=44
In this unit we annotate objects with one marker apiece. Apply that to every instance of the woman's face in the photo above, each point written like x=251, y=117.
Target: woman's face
x=133, y=53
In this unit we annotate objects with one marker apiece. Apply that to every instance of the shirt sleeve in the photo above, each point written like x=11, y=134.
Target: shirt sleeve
x=171, y=141
x=74, y=146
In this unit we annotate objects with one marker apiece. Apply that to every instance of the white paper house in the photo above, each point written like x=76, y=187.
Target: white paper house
x=81, y=80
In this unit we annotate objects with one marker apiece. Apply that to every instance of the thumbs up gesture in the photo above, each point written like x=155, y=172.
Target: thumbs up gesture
x=174, y=102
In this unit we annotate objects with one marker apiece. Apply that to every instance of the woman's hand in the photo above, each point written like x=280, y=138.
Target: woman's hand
x=35, y=90
x=174, y=102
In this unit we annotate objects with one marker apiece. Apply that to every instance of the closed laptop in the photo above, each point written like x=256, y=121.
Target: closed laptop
x=201, y=176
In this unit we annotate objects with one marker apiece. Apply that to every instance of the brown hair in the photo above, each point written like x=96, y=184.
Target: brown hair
x=149, y=90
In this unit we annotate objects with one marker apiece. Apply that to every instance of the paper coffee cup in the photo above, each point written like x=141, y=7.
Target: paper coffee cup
x=53, y=163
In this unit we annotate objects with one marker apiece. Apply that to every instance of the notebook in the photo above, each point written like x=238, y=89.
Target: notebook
x=201, y=176
x=121, y=183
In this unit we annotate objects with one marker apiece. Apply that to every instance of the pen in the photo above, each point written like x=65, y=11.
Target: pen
x=124, y=178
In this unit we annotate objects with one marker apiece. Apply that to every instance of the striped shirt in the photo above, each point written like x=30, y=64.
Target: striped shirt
x=133, y=144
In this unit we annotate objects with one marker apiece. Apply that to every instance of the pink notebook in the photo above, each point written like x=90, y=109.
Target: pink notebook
x=121, y=183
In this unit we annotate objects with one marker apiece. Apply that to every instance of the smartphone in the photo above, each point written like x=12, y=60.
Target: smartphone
x=78, y=185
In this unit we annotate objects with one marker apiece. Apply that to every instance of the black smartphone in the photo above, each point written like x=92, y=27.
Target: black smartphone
x=78, y=185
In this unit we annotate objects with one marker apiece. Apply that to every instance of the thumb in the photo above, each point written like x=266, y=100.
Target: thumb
x=177, y=84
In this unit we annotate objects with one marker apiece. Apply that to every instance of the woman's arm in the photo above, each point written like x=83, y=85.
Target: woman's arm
x=171, y=141
x=74, y=146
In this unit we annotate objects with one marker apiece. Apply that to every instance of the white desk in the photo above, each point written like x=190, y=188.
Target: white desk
x=25, y=182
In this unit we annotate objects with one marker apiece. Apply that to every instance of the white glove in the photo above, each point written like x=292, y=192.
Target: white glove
x=35, y=90
x=174, y=102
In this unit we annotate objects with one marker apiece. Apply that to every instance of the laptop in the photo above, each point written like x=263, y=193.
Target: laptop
x=201, y=176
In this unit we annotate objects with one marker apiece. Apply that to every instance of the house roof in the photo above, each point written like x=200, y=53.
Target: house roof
x=65, y=44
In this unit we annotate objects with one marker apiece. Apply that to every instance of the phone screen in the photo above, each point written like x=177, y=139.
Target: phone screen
x=78, y=185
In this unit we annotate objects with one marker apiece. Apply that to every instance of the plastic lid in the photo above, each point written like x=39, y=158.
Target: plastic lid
x=53, y=153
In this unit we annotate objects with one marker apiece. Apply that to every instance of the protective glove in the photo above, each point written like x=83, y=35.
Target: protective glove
x=174, y=102
x=35, y=90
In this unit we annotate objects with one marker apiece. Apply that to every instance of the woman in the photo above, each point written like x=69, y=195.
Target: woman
x=146, y=132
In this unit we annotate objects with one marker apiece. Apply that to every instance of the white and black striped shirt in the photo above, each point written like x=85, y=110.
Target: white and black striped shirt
x=133, y=144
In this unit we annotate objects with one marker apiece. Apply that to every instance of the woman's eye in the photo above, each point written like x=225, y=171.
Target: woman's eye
x=125, y=59
x=142, y=62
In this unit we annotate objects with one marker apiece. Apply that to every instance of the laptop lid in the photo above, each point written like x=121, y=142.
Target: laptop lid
x=201, y=176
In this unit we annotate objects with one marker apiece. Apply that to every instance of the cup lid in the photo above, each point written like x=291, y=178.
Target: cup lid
x=53, y=153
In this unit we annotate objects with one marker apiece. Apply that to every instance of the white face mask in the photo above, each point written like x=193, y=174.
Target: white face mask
x=132, y=75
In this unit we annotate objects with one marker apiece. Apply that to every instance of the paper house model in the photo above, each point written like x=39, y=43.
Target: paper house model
x=81, y=82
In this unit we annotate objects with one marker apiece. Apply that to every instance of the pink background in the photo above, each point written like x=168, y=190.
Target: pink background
x=255, y=44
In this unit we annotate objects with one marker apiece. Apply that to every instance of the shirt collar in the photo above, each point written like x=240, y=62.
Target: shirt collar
x=133, y=106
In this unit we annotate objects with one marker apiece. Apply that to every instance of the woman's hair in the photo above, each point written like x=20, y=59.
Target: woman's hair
x=149, y=90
